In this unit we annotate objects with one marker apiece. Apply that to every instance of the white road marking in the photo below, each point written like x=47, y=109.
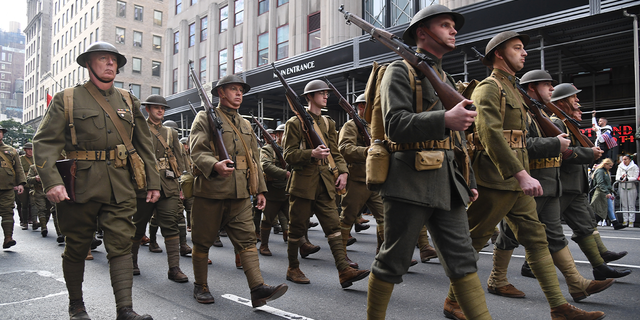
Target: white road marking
x=35, y=299
x=577, y=261
x=42, y=273
x=265, y=308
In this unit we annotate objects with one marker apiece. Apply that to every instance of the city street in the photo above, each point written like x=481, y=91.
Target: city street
x=32, y=287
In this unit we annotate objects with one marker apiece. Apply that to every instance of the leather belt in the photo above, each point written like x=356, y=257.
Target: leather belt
x=545, y=163
x=445, y=144
x=93, y=155
x=515, y=138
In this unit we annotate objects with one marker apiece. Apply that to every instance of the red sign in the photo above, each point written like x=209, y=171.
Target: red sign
x=622, y=134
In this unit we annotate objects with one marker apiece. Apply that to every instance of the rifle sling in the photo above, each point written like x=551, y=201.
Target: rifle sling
x=166, y=148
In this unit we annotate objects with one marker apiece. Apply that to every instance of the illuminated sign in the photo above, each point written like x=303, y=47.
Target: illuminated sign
x=621, y=134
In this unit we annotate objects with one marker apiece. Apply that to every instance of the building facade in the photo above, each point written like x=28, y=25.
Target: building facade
x=12, y=55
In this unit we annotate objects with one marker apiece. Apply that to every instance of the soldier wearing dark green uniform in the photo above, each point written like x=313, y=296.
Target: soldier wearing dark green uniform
x=277, y=198
x=222, y=192
x=186, y=181
x=576, y=211
x=44, y=208
x=354, y=152
x=436, y=197
x=27, y=214
x=501, y=164
x=104, y=193
x=11, y=179
x=545, y=157
x=167, y=208
x=312, y=186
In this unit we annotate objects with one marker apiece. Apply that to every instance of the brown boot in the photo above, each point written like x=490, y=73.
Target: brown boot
x=202, y=294
x=296, y=275
x=264, y=250
x=350, y=275
x=238, y=261
x=127, y=313
x=185, y=249
x=508, y=291
x=427, y=253
x=350, y=262
x=452, y=310
x=263, y=293
x=8, y=243
x=594, y=287
x=307, y=248
x=569, y=312
x=175, y=274
x=77, y=310
x=154, y=247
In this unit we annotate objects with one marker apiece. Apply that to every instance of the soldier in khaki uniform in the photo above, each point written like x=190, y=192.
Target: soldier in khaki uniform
x=44, y=208
x=11, y=179
x=222, y=192
x=24, y=199
x=501, y=164
x=545, y=157
x=105, y=194
x=414, y=196
x=277, y=198
x=312, y=186
x=186, y=181
x=168, y=156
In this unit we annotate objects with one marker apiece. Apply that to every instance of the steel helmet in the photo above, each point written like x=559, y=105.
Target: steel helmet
x=101, y=47
x=564, y=90
x=279, y=128
x=228, y=80
x=536, y=76
x=360, y=99
x=499, y=39
x=315, y=86
x=3, y=129
x=270, y=131
x=170, y=124
x=155, y=99
x=28, y=145
x=428, y=13
x=184, y=140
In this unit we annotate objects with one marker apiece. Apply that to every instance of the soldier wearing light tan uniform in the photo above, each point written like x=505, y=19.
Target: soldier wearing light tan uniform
x=12, y=179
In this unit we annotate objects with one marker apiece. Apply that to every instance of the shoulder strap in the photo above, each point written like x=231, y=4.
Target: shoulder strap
x=503, y=98
x=167, y=149
x=68, y=113
x=416, y=86
x=332, y=163
x=9, y=163
x=28, y=161
x=127, y=97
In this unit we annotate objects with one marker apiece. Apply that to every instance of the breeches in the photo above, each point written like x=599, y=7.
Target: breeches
x=167, y=215
x=356, y=197
x=208, y=216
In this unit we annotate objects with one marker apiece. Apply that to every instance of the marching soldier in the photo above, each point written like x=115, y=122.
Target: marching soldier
x=11, y=179
x=312, y=186
x=222, y=192
x=545, y=157
x=24, y=199
x=409, y=202
x=186, y=181
x=501, y=162
x=40, y=202
x=277, y=199
x=104, y=121
x=168, y=156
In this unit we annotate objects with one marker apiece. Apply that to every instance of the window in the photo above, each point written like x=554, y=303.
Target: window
x=224, y=18
x=192, y=34
x=239, y=12
x=118, y=84
x=204, y=23
x=263, y=6
x=222, y=63
x=157, y=43
x=313, y=33
x=136, y=65
x=176, y=42
x=119, y=36
x=282, y=40
x=237, y=57
x=263, y=48
x=189, y=80
x=178, y=6
x=137, y=13
x=97, y=10
x=157, y=17
x=155, y=68
x=281, y=2
x=203, y=69
x=194, y=2
x=85, y=21
x=137, y=39
x=92, y=14
x=136, y=90
x=155, y=90
x=175, y=81
x=97, y=33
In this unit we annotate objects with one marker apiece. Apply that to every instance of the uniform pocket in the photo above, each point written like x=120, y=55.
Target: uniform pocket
x=88, y=123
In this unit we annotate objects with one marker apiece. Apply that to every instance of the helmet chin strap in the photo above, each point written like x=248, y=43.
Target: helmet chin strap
x=95, y=75
x=506, y=61
x=437, y=40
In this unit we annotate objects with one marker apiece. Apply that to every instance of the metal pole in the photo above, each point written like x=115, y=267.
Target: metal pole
x=636, y=69
x=466, y=71
x=541, y=53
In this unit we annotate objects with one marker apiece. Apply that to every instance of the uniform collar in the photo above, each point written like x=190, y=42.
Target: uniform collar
x=503, y=75
x=151, y=124
x=438, y=61
x=107, y=92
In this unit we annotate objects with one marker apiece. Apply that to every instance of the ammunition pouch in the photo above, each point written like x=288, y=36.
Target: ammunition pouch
x=93, y=155
x=446, y=144
x=545, y=163
x=429, y=160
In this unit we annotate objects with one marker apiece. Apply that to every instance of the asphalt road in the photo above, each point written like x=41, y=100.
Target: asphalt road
x=32, y=286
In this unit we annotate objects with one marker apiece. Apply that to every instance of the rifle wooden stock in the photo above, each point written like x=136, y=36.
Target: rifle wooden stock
x=312, y=137
x=548, y=128
x=267, y=137
x=569, y=123
x=449, y=96
x=215, y=125
x=360, y=124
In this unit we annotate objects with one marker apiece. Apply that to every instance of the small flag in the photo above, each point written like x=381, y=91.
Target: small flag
x=49, y=98
x=609, y=140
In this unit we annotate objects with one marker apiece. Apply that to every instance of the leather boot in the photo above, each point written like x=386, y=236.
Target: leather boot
x=154, y=247
x=264, y=246
x=77, y=310
x=616, y=225
x=8, y=243
x=307, y=248
x=296, y=275
x=263, y=293
x=121, y=272
x=452, y=310
x=378, y=297
x=173, y=260
x=569, y=312
x=579, y=287
x=360, y=227
x=7, y=228
x=604, y=271
x=218, y=243
x=350, y=275
x=202, y=294
x=238, y=261
x=144, y=241
x=127, y=313
x=135, y=248
x=427, y=253
x=498, y=283
x=609, y=256
x=351, y=263
x=525, y=270
x=470, y=296
x=351, y=240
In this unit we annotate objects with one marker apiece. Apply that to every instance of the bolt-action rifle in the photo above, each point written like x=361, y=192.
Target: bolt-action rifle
x=215, y=124
x=267, y=137
x=447, y=94
x=353, y=113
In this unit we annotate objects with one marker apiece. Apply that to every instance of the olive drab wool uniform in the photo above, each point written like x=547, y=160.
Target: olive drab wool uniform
x=500, y=196
x=224, y=202
x=24, y=199
x=41, y=205
x=312, y=187
x=11, y=175
x=412, y=199
x=277, y=198
x=187, y=178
